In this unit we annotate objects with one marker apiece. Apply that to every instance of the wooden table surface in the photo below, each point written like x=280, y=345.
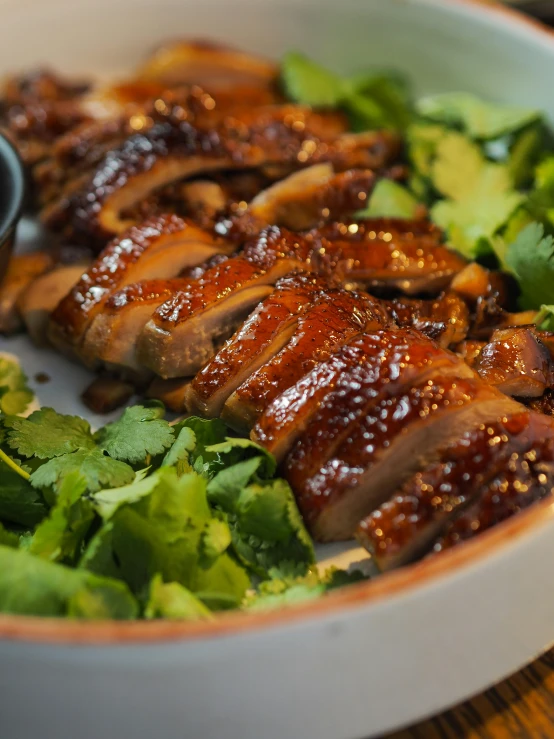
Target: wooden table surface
x=522, y=707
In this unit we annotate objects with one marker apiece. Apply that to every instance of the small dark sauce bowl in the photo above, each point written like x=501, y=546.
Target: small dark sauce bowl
x=12, y=195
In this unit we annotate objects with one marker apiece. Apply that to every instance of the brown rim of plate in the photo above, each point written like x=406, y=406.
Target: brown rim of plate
x=64, y=631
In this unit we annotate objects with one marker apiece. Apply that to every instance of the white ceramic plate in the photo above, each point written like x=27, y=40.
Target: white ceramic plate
x=369, y=658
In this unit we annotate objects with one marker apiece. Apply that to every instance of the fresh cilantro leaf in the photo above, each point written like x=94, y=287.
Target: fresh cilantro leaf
x=263, y=511
x=479, y=119
x=225, y=488
x=46, y=434
x=214, y=540
x=373, y=100
x=524, y=153
x=60, y=536
x=268, y=532
x=390, y=200
x=138, y=433
x=545, y=318
x=20, y=503
x=234, y=450
x=8, y=538
x=102, y=602
x=184, y=444
x=15, y=395
x=95, y=467
x=98, y=557
x=531, y=259
x=206, y=433
x=541, y=198
x=479, y=195
x=309, y=83
x=175, y=602
x=280, y=594
x=106, y=502
x=34, y=586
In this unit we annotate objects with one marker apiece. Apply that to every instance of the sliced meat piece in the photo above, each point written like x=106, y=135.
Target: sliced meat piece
x=305, y=199
x=181, y=335
x=106, y=394
x=475, y=282
x=392, y=439
x=172, y=393
x=113, y=334
x=22, y=270
x=177, y=149
x=516, y=362
x=446, y=319
x=333, y=394
x=37, y=302
x=406, y=256
x=336, y=318
x=490, y=315
x=469, y=350
x=528, y=478
x=208, y=64
x=159, y=248
x=544, y=404
x=405, y=526
x=262, y=335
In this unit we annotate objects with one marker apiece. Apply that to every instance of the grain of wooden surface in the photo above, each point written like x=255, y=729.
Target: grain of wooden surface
x=521, y=707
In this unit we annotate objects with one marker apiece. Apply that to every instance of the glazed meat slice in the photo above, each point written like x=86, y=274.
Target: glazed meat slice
x=469, y=350
x=528, y=478
x=172, y=393
x=182, y=334
x=446, y=319
x=406, y=256
x=176, y=149
x=336, y=318
x=262, y=336
x=370, y=366
x=305, y=199
x=113, y=334
x=38, y=107
x=517, y=362
x=22, y=270
x=490, y=316
x=211, y=65
x=36, y=303
x=392, y=438
x=404, y=527
x=159, y=248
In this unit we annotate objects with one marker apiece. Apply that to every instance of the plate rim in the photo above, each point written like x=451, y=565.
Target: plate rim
x=505, y=535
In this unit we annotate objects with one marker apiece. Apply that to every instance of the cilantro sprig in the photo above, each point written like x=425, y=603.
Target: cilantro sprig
x=141, y=518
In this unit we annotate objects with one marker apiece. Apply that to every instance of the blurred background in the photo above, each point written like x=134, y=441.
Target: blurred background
x=543, y=9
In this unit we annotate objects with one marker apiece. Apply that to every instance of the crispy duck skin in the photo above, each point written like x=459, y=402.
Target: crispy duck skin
x=404, y=527
x=407, y=256
x=336, y=317
x=527, y=478
x=160, y=247
x=393, y=438
x=516, y=362
x=112, y=336
x=81, y=149
x=374, y=364
x=181, y=335
x=176, y=149
x=22, y=270
x=263, y=334
x=446, y=319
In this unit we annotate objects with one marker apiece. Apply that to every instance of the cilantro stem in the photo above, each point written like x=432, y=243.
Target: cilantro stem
x=15, y=467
